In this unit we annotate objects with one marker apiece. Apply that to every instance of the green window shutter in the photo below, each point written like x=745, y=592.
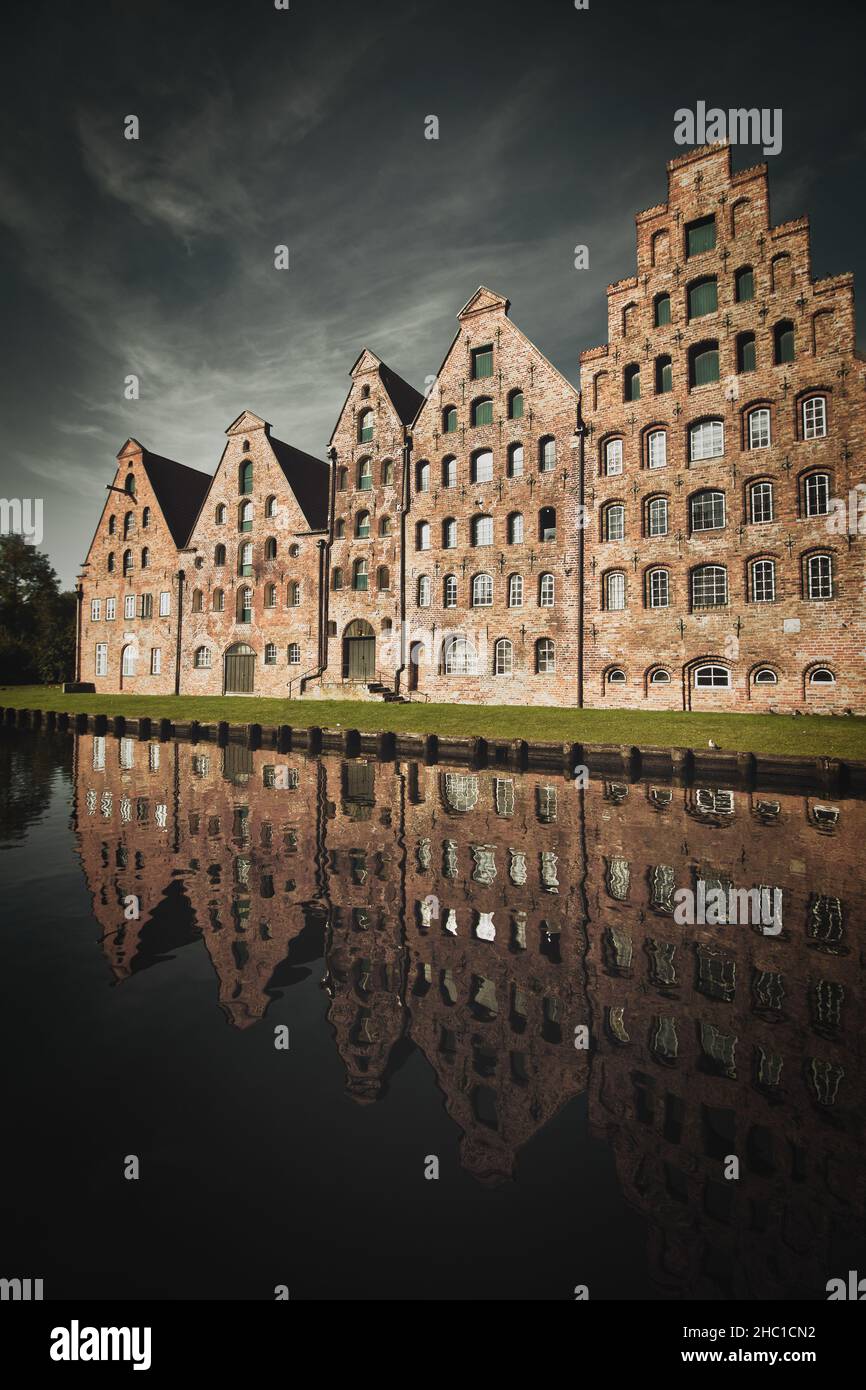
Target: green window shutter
x=247, y=477
x=786, y=345
x=666, y=381
x=701, y=236
x=663, y=310
x=517, y=406
x=632, y=384
x=706, y=366
x=747, y=355
x=745, y=285
x=482, y=362
x=451, y=420
x=703, y=299
x=484, y=413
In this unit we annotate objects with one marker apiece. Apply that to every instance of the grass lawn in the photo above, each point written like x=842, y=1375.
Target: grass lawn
x=807, y=736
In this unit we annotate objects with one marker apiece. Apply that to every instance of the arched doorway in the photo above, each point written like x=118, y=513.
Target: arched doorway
x=416, y=656
x=359, y=651
x=127, y=665
x=240, y=670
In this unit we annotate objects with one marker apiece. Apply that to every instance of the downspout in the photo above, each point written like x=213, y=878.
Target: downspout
x=79, y=594
x=581, y=434
x=407, y=451
x=180, y=578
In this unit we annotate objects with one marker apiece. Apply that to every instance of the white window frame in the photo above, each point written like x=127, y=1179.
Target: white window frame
x=716, y=570
x=657, y=449
x=156, y=661
x=815, y=418
x=706, y=677
x=482, y=467
x=613, y=458
x=759, y=428
x=706, y=440
x=503, y=657
x=698, y=504
x=128, y=607
x=817, y=491
x=823, y=578
x=482, y=591
x=659, y=589
x=110, y=609
x=165, y=604
x=546, y=591
x=614, y=591
x=515, y=591
x=767, y=590
x=424, y=591
x=614, y=533
x=101, y=666
x=764, y=491
x=482, y=531
x=654, y=506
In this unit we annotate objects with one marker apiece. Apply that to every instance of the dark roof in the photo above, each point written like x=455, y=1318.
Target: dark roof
x=308, y=478
x=179, y=490
x=407, y=401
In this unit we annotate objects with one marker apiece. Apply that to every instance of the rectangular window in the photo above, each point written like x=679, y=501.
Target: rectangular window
x=483, y=413
x=759, y=429
x=705, y=366
x=710, y=587
x=764, y=581
x=615, y=523
x=129, y=606
x=703, y=299
x=102, y=658
x=745, y=285
x=484, y=467
x=155, y=661
x=96, y=610
x=658, y=449
x=708, y=511
x=658, y=516
x=659, y=589
x=482, y=362
x=706, y=440
x=663, y=310
x=762, y=502
x=818, y=494
x=815, y=418
x=110, y=609
x=701, y=236
x=613, y=457
x=146, y=607
x=820, y=576
x=165, y=605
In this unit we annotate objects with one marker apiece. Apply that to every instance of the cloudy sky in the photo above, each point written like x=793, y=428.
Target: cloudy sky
x=305, y=127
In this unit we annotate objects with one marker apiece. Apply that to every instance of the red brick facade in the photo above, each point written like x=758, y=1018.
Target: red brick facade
x=684, y=534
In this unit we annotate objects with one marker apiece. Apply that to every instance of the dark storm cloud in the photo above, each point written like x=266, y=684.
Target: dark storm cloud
x=306, y=127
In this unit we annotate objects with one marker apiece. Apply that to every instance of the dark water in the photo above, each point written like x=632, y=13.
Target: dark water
x=318, y=894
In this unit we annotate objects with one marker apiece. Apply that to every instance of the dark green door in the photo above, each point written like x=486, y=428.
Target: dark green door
x=240, y=671
x=361, y=658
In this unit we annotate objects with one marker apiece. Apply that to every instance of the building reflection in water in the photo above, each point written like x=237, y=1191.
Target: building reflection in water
x=484, y=917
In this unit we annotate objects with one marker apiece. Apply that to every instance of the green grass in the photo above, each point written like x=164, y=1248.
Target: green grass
x=808, y=736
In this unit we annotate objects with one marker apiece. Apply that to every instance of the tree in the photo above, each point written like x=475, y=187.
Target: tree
x=37, y=621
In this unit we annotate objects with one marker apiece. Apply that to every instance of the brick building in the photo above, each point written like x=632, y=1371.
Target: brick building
x=684, y=533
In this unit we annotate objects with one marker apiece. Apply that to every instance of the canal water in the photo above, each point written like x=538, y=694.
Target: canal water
x=381, y=1030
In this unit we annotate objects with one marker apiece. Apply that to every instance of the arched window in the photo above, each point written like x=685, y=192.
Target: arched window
x=783, y=342
x=661, y=310
x=657, y=516
x=362, y=526
x=385, y=526
x=245, y=476
x=712, y=677
x=616, y=676
x=482, y=530
x=816, y=494
x=546, y=591
x=515, y=460
x=294, y=594
x=482, y=411
x=765, y=676
x=342, y=479
x=365, y=426
x=145, y=558
x=197, y=600
x=129, y=525
x=614, y=591
x=360, y=573
x=515, y=591
x=337, y=578
x=706, y=440
x=613, y=457
x=387, y=473
x=545, y=656
x=245, y=516
x=707, y=511
x=130, y=484
x=422, y=477
x=547, y=524
x=659, y=588
x=459, y=656
x=449, y=472
x=819, y=576
x=294, y=654
x=422, y=535
x=761, y=502
x=744, y=284
x=202, y=658
x=482, y=466
x=482, y=591
x=110, y=563
x=365, y=475
x=270, y=654
x=219, y=515
x=657, y=449
x=424, y=591
x=758, y=428
x=631, y=382
x=449, y=419
x=383, y=578
x=503, y=658
x=127, y=661
x=664, y=375
x=709, y=586
x=270, y=596
x=112, y=525
x=815, y=417
x=271, y=548
x=245, y=558
x=245, y=606
x=703, y=363
x=822, y=675
x=145, y=518
x=660, y=677
x=515, y=528
x=449, y=591
x=449, y=533
x=746, y=352
x=127, y=562
x=613, y=522
x=515, y=405
x=219, y=555
x=219, y=601
x=546, y=455
x=703, y=297
x=763, y=576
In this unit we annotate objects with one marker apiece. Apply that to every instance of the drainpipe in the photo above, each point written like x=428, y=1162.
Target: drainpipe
x=180, y=578
x=581, y=432
x=407, y=453
x=79, y=594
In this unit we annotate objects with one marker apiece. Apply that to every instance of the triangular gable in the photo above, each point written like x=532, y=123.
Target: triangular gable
x=482, y=301
x=403, y=397
x=246, y=423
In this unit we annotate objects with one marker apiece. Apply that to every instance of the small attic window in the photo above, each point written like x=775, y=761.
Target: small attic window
x=246, y=446
x=365, y=391
x=294, y=551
